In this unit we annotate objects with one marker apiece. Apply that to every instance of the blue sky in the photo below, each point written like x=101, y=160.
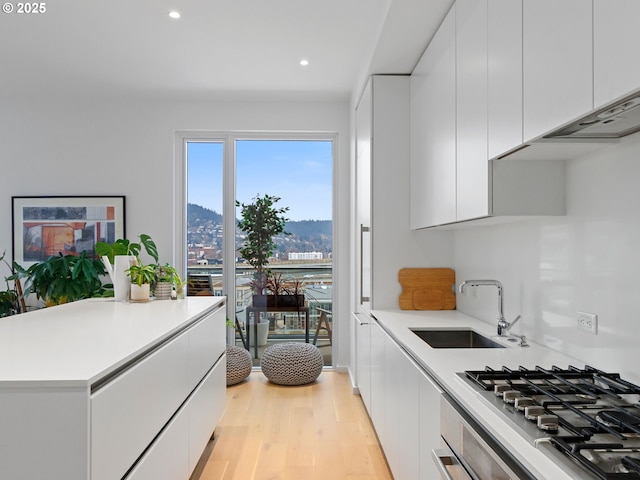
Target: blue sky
x=297, y=171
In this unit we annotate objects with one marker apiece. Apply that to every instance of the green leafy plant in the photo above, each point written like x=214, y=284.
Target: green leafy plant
x=166, y=273
x=261, y=222
x=180, y=283
x=124, y=246
x=62, y=278
x=140, y=273
x=9, y=298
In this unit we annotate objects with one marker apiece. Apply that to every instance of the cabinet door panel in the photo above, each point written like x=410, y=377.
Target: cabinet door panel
x=126, y=414
x=363, y=357
x=206, y=407
x=167, y=457
x=403, y=446
x=557, y=63
x=472, y=172
x=616, y=40
x=364, y=113
x=378, y=382
x=430, y=439
x=207, y=342
x=504, y=51
x=433, y=130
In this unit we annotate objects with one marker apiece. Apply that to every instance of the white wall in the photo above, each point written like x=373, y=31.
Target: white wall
x=126, y=147
x=588, y=261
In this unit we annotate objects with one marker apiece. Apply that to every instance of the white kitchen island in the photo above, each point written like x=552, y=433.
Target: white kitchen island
x=102, y=390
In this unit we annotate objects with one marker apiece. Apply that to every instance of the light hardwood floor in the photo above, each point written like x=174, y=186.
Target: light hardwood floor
x=313, y=432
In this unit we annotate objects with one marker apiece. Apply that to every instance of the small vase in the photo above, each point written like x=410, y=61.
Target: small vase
x=163, y=290
x=140, y=293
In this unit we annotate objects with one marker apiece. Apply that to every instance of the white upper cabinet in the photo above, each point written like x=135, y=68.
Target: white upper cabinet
x=504, y=50
x=472, y=173
x=616, y=38
x=557, y=63
x=478, y=85
x=433, y=130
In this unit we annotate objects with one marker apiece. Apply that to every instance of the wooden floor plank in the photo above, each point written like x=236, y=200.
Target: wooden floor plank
x=316, y=432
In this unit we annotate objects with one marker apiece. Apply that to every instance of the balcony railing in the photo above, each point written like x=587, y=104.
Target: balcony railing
x=286, y=326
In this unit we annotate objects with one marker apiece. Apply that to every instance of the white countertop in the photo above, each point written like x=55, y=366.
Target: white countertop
x=80, y=342
x=443, y=364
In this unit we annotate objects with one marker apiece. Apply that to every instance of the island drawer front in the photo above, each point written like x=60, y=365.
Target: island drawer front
x=205, y=410
x=207, y=343
x=129, y=411
x=176, y=451
x=167, y=457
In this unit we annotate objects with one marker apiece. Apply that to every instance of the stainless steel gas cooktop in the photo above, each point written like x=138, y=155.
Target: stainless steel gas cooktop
x=589, y=416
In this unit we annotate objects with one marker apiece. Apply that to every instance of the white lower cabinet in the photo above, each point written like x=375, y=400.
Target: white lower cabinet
x=429, y=422
x=168, y=456
x=362, y=329
x=141, y=404
x=378, y=382
x=175, y=393
x=131, y=409
x=176, y=451
x=205, y=410
x=405, y=408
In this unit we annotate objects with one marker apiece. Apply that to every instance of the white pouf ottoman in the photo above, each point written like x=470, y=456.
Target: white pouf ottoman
x=238, y=364
x=292, y=363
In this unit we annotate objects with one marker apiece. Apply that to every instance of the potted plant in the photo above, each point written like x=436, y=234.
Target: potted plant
x=119, y=256
x=295, y=293
x=261, y=221
x=142, y=276
x=287, y=293
x=165, y=278
x=180, y=284
x=9, y=298
x=63, y=278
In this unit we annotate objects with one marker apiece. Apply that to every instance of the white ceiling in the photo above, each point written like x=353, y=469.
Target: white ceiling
x=231, y=49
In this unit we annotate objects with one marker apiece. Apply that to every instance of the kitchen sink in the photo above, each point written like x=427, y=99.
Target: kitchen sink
x=460, y=338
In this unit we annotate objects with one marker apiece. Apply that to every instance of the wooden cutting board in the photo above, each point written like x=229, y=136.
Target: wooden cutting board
x=427, y=289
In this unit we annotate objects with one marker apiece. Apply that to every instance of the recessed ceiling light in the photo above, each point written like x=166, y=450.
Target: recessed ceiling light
x=304, y=62
x=174, y=14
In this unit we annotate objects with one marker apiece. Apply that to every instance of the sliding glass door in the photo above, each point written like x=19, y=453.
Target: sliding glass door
x=228, y=170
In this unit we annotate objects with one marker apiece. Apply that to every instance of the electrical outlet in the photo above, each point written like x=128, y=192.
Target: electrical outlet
x=588, y=322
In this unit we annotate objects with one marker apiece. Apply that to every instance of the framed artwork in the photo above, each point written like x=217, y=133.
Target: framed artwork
x=45, y=226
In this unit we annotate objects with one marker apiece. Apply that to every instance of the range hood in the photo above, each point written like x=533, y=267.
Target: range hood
x=614, y=121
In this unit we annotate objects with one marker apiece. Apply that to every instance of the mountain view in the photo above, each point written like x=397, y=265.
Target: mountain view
x=204, y=230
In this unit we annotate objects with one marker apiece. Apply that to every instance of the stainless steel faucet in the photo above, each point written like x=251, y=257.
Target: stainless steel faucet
x=503, y=325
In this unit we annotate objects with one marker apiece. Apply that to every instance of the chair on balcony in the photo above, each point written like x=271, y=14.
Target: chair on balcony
x=323, y=320
x=199, y=285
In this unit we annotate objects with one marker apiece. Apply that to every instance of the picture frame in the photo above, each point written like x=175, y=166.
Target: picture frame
x=49, y=225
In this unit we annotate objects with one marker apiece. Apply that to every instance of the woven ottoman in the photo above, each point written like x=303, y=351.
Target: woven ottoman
x=238, y=364
x=292, y=363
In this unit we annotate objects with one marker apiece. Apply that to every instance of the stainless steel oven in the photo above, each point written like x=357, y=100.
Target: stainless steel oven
x=469, y=451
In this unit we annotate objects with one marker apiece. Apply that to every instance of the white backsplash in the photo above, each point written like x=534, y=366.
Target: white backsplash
x=586, y=261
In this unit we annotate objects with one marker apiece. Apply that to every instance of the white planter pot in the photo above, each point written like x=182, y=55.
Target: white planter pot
x=140, y=293
x=263, y=333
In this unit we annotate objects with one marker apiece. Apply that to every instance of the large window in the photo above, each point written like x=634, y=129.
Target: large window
x=205, y=226
x=298, y=171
